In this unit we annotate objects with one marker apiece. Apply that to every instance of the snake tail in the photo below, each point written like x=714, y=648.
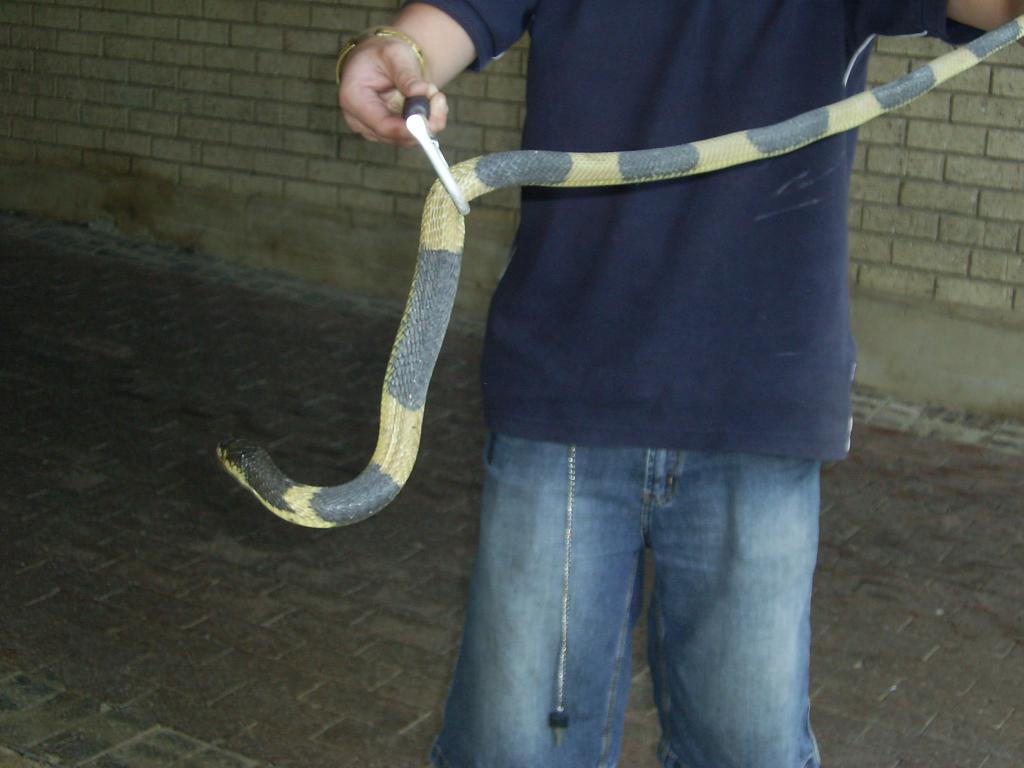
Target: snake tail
x=410, y=366
x=432, y=295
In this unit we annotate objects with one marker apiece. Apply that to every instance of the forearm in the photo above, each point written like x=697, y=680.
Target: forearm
x=984, y=14
x=445, y=44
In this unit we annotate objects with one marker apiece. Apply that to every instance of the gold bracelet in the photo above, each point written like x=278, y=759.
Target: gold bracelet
x=348, y=47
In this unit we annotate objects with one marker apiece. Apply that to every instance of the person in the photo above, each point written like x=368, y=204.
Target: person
x=666, y=366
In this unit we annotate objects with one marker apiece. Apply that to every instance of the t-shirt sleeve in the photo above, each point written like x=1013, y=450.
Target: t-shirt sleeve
x=910, y=17
x=493, y=25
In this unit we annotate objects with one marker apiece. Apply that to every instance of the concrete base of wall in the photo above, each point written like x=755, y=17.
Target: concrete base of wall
x=959, y=357
x=363, y=253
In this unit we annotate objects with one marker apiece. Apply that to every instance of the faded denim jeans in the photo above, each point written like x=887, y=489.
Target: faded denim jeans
x=557, y=588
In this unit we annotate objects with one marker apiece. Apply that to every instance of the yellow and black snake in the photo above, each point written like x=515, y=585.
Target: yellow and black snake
x=432, y=294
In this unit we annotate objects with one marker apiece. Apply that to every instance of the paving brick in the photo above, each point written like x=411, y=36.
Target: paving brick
x=20, y=692
x=155, y=615
x=10, y=759
x=919, y=751
x=89, y=737
x=215, y=758
x=55, y=715
x=157, y=748
x=185, y=715
x=275, y=743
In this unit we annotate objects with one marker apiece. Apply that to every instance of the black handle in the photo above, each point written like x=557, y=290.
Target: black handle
x=416, y=105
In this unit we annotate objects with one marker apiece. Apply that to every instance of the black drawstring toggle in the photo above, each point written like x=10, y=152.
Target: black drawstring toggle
x=558, y=720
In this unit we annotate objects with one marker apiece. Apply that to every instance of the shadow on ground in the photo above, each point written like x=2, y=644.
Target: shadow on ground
x=152, y=614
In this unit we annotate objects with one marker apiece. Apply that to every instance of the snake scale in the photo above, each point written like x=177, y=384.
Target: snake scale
x=432, y=294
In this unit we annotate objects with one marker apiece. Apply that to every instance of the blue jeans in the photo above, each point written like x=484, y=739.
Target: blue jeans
x=557, y=588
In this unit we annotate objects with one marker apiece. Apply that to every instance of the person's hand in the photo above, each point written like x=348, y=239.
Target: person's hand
x=377, y=77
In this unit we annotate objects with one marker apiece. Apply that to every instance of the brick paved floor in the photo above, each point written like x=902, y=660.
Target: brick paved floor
x=151, y=614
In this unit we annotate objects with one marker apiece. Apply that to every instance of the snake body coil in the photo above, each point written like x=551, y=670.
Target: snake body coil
x=432, y=294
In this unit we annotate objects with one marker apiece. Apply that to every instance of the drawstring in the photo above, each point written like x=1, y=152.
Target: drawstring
x=558, y=718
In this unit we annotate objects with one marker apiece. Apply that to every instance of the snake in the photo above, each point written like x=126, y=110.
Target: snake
x=431, y=297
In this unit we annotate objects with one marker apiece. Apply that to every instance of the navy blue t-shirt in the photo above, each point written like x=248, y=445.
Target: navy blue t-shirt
x=707, y=313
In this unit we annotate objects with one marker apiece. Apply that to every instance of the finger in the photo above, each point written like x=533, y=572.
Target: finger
x=374, y=113
x=438, y=111
x=360, y=128
x=405, y=71
x=371, y=135
x=393, y=100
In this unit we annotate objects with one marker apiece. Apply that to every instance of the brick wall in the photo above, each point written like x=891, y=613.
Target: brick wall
x=236, y=95
x=938, y=195
x=213, y=123
x=231, y=104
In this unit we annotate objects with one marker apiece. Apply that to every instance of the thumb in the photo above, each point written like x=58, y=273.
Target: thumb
x=406, y=72
x=411, y=83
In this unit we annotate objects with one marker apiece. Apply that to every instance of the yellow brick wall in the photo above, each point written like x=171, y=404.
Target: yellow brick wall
x=938, y=194
x=231, y=104
x=214, y=123
x=235, y=95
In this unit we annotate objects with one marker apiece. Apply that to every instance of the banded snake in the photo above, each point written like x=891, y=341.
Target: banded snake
x=432, y=294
